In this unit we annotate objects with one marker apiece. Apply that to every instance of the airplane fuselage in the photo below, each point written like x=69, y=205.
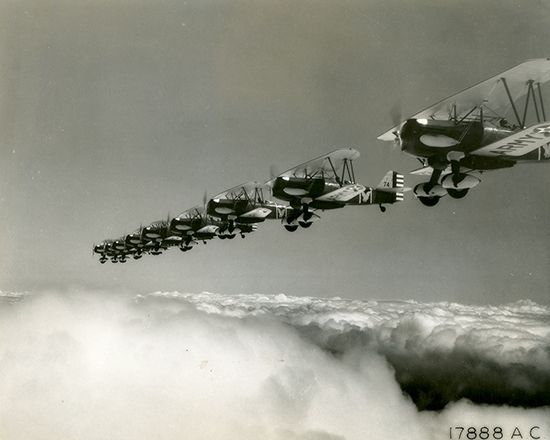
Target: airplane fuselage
x=238, y=210
x=296, y=190
x=223, y=208
x=435, y=139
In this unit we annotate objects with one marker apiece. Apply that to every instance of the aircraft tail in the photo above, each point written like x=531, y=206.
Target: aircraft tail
x=392, y=182
x=390, y=190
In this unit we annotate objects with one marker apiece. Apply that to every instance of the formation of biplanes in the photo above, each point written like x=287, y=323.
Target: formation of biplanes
x=294, y=198
x=495, y=124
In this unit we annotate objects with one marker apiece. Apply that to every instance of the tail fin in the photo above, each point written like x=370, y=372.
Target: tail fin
x=390, y=190
x=392, y=182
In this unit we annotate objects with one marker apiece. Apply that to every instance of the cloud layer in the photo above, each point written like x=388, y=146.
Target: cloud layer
x=171, y=365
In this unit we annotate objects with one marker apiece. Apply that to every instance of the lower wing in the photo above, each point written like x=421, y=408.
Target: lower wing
x=343, y=194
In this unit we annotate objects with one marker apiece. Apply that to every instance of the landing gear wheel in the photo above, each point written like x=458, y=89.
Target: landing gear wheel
x=291, y=228
x=305, y=224
x=122, y=261
x=457, y=193
x=243, y=236
x=222, y=237
x=137, y=257
x=231, y=236
x=183, y=249
x=429, y=201
x=103, y=260
x=382, y=208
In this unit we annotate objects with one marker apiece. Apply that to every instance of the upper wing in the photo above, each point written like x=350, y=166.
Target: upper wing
x=196, y=211
x=327, y=165
x=243, y=190
x=490, y=94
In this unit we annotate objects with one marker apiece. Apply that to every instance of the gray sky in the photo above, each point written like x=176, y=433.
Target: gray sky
x=116, y=113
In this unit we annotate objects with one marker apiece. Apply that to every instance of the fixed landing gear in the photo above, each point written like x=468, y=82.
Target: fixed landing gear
x=291, y=228
x=430, y=192
x=156, y=250
x=457, y=193
x=429, y=201
x=305, y=224
x=103, y=260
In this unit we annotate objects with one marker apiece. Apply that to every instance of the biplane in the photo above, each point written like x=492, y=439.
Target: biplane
x=182, y=231
x=328, y=182
x=494, y=124
x=242, y=207
x=194, y=225
x=105, y=250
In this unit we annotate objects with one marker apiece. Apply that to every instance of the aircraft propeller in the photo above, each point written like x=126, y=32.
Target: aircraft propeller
x=397, y=119
x=273, y=172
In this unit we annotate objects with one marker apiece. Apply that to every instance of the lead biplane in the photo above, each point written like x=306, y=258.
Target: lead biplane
x=481, y=128
x=328, y=182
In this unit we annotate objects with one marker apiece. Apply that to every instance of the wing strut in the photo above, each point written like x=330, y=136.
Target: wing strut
x=532, y=92
x=468, y=114
x=511, y=101
x=529, y=87
x=348, y=167
x=334, y=171
x=541, y=103
x=436, y=174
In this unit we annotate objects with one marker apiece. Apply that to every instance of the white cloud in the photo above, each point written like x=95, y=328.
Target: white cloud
x=170, y=365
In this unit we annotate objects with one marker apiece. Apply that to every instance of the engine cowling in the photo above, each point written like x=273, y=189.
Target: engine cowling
x=464, y=181
x=180, y=224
